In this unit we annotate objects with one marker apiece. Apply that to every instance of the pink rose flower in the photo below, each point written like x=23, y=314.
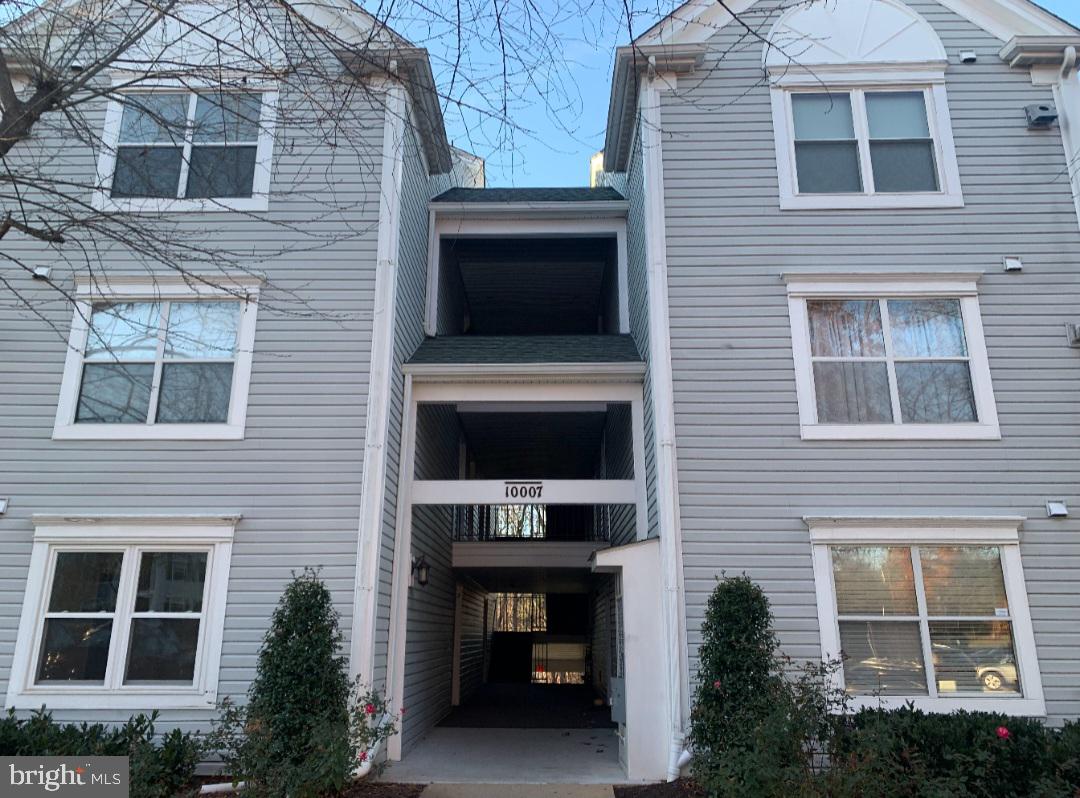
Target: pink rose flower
x=716, y=684
x=369, y=709
x=1003, y=733
x=363, y=756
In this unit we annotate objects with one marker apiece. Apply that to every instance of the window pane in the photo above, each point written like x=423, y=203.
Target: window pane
x=171, y=582
x=123, y=331
x=845, y=328
x=230, y=117
x=147, y=172
x=114, y=393
x=903, y=166
x=935, y=393
x=85, y=581
x=822, y=116
x=221, y=172
x=875, y=580
x=828, y=167
x=974, y=657
x=882, y=657
x=897, y=115
x=74, y=649
x=927, y=328
x=964, y=580
x=852, y=393
x=162, y=650
x=195, y=393
x=202, y=329
x=156, y=117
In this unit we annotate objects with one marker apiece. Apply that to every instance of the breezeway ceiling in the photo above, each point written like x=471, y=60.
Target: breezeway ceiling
x=533, y=445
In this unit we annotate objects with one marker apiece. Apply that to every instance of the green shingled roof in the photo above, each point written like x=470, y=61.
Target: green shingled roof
x=568, y=194
x=498, y=349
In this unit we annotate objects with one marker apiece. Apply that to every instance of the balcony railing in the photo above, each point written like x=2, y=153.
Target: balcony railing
x=534, y=522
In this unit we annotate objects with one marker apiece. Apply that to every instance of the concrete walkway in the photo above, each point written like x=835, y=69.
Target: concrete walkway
x=512, y=756
x=518, y=791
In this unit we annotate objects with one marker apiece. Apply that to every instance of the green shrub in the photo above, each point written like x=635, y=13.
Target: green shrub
x=907, y=752
x=764, y=727
x=292, y=737
x=159, y=768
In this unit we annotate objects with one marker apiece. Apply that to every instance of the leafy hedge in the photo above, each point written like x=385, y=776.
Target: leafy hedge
x=159, y=767
x=765, y=728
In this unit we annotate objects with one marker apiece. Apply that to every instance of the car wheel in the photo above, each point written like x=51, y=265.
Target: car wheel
x=992, y=680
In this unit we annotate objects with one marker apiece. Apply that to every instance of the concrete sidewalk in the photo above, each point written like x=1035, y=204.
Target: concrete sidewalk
x=518, y=791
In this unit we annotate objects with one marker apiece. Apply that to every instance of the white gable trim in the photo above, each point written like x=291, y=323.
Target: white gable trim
x=697, y=20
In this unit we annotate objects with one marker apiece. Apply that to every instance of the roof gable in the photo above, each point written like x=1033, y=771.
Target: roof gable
x=697, y=20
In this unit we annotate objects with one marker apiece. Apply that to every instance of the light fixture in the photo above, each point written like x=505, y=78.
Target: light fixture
x=421, y=570
x=1057, y=509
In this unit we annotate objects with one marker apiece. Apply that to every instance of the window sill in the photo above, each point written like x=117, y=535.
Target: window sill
x=840, y=202
x=900, y=432
x=255, y=203
x=148, y=432
x=127, y=699
x=1008, y=705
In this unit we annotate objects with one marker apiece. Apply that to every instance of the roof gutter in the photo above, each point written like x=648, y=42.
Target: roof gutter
x=1027, y=51
x=630, y=63
x=412, y=66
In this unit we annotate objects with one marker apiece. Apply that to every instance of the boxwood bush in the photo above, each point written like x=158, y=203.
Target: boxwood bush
x=160, y=767
x=764, y=727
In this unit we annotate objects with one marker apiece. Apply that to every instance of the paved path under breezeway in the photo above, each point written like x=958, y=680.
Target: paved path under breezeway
x=518, y=791
x=506, y=757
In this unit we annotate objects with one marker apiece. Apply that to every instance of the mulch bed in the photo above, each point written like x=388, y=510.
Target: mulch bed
x=682, y=788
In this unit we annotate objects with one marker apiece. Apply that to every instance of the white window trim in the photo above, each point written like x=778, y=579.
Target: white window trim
x=1003, y=532
x=955, y=285
x=172, y=287
x=210, y=533
x=930, y=81
x=264, y=157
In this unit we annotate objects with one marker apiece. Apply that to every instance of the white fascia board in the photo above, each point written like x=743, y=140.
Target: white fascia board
x=844, y=528
x=806, y=283
x=465, y=371
x=171, y=285
x=532, y=210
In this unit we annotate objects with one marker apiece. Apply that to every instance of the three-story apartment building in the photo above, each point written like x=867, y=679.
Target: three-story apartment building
x=813, y=329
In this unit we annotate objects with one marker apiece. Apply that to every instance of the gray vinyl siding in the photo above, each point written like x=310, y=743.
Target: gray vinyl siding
x=296, y=476
x=618, y=463
x=474, y=636
x=638, y=304
x=429, y=634
x=745, y=477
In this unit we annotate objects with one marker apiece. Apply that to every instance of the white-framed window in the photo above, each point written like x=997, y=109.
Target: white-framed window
x=123, y=610
x=886, y=145
x=159, y=359
x=931, y=611
x=890, y=357
x=173, y=149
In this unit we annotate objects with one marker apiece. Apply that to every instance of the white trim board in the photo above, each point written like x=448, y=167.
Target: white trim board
x=676, y=666
x=373, y=486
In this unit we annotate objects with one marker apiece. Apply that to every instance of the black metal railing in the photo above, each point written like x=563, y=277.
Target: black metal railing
x=563, y=522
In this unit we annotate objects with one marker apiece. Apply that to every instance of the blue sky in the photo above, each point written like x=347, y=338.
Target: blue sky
x=551, y=146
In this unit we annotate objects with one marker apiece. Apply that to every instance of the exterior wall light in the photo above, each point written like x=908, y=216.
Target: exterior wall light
x=421, y=570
